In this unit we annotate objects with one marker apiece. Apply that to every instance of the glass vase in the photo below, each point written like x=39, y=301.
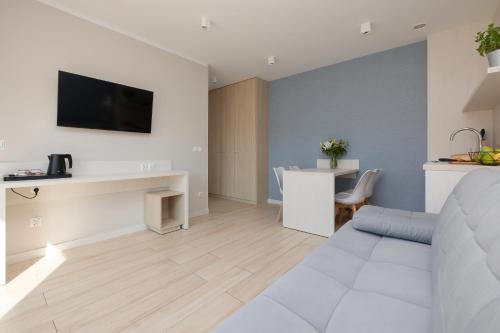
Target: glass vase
x=333, y=162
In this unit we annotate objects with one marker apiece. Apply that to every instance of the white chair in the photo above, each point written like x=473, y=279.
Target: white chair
x=355, y=198
x=278, y=172
x=371, y=184
x=294, y=167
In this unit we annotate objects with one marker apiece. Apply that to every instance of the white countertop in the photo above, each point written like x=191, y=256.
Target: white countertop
x=445, y=166
x=336, y=172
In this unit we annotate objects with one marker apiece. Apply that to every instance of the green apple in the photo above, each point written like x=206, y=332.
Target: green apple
x=487, y=159
x=487, y=149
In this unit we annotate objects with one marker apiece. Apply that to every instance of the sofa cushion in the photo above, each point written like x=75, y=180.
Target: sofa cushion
x=355, y=282
x=265, y=315
x=466, y=257
x=363, y=312
x=417, y=227
x=410, y=254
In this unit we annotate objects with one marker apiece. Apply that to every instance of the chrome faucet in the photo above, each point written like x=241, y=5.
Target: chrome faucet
x=470, y=129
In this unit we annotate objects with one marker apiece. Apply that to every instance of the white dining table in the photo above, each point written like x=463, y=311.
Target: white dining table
x=309, y=198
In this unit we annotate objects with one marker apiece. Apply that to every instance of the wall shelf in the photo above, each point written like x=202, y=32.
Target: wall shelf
x=487, y=95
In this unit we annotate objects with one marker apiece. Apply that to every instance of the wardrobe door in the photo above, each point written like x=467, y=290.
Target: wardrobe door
x=228, y=140
x=245, y=143
x=215, y=142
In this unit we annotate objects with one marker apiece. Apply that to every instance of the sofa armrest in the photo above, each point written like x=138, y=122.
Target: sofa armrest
x=416, y=227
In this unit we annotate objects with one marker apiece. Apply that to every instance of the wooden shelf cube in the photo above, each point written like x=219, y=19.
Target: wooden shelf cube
x=164, y=211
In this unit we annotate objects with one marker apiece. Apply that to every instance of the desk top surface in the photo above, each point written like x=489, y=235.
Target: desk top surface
x=91, y=178
x=336, y=172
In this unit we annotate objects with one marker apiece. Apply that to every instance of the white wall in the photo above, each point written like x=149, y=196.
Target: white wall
x=496, y=126
x=496, y=113
x=455, y=70
x=496, y=17
x=36, y=41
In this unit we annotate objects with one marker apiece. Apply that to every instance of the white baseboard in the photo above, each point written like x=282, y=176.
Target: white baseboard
x=27, y=255
x=32, y=254
x=274, y=202
x=199, y=213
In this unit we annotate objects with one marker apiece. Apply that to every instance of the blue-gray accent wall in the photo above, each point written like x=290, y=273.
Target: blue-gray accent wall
x=378, y=103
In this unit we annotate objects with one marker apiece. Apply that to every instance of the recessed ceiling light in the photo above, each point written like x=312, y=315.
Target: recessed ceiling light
x=419, y=26
x=271, y=60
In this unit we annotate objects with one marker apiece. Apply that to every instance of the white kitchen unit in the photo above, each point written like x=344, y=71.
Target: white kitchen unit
x=308, y=199
x=440, y=179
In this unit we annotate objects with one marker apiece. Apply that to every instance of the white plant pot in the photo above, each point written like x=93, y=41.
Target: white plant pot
x=494, y=58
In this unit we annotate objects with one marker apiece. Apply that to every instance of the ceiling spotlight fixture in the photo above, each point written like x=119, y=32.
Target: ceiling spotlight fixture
x=366, y=28
x=419, y=26
x=271, y=60
x=206, y=24
x=214, y=79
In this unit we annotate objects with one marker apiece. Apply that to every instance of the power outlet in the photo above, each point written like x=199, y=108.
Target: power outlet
x=36, y=222
x=146, y=166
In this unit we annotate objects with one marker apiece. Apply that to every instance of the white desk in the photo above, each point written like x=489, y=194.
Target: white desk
x=177, y=180
x=308, y=199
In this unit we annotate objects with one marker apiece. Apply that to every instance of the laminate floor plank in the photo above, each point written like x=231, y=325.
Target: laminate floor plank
x=184, y=281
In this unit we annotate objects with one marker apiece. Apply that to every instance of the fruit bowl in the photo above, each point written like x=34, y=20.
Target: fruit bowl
x=490, y=158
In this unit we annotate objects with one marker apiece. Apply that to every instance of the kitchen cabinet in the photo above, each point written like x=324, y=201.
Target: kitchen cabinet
x=441, y=179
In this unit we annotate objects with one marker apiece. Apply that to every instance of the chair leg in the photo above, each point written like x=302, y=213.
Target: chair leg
x=345, y=214
x=336, y=216
x=280, y=214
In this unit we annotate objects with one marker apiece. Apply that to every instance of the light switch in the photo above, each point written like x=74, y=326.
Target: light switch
x=3, y=145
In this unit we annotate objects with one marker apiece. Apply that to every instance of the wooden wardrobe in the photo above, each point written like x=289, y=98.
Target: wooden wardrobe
x=238, y=141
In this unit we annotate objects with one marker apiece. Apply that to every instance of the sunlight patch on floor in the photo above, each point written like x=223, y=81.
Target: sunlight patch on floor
x=22, y=285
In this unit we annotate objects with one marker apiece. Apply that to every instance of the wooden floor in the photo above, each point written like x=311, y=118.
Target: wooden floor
x=186, y=281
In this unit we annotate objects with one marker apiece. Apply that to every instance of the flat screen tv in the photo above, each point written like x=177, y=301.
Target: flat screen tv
x=86, y=102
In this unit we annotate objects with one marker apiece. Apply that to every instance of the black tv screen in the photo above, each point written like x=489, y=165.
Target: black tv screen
x=86, y=102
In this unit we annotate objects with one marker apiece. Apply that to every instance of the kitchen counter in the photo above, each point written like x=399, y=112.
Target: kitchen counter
x=445, y=166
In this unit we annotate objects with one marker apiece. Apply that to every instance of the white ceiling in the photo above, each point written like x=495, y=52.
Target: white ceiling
x=303, y=34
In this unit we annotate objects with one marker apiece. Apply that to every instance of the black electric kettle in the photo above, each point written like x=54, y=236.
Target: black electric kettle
x=57, y=164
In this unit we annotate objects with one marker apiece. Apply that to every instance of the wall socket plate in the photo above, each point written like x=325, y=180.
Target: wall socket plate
x=36, y=222
x=146, y=166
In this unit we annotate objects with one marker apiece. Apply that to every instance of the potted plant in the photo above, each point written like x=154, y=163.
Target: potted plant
x=489, y=44
x=334, y=149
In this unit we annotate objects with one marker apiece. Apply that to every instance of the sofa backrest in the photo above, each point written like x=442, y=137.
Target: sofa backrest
x=466, y=257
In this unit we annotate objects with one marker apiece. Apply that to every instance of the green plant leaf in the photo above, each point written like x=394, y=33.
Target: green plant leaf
x=489, y=40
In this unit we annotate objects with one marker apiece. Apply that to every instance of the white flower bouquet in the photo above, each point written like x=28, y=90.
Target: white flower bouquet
x=334, y=149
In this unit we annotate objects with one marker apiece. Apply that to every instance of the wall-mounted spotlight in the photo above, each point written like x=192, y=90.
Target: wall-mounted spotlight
x=366, y=28
x=206, y=24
